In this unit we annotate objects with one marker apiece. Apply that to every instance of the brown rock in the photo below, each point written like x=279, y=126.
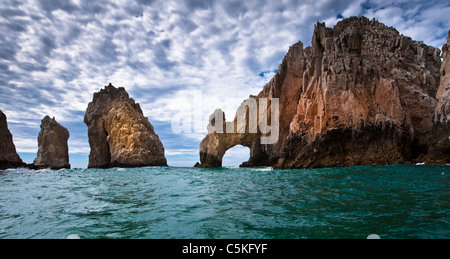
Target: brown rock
x=361, y=94
x=439, y=151
x=53, y=150
x=119, y=134
x=8, y=154
x=370, y=99
x=442, y=112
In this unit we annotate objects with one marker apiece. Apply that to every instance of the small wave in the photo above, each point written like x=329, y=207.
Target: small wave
x=45, y=170
x=265, y=169
x=420, y=164
x=17, y=170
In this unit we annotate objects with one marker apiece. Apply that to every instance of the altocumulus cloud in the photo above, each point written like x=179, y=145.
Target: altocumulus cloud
x=55, y=54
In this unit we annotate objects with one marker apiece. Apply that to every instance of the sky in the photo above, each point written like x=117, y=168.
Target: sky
x=172, y=57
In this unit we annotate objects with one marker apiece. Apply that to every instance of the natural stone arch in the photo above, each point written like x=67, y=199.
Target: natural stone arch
x=286, y=87
x=214, y=146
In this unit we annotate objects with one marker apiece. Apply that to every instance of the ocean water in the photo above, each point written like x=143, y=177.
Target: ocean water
x=397, y=201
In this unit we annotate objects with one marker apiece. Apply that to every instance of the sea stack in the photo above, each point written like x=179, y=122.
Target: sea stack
x=362, y=94
x=53, y=149
x=8, y=154
x=119, y=134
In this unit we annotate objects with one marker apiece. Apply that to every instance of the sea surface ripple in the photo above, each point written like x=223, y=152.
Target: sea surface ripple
x=396, y=201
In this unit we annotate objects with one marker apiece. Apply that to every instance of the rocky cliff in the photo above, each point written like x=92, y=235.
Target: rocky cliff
x=361, y=94
x=119, y=134
x=53, y=150
x=8, y=154
x=368, y=97
x=439, y=151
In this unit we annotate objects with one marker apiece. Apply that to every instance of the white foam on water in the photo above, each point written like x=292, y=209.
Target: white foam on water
x=266, y=169
x=73, y=236
x=373, y=236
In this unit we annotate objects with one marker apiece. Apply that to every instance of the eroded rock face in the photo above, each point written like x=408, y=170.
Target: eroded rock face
x=361, y=94
x=442, y=112
x=8, y=154
x=53, y=149
x=439, y=151
x=368, y=97
x=119, y=134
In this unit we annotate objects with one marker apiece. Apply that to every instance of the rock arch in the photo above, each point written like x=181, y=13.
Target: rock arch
x=285, y=86
x=214, y=146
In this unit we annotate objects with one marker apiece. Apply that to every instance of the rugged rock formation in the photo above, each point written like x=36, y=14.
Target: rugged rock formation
x=368, y=97
x=8, y=154
x=53, y=150
x=285, y=86
x=119, y=134
x=442, y=113
x=439, y=151
x=361, y=94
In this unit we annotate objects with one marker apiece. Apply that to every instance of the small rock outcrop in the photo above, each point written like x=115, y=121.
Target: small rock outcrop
x=362, y=94
x=119, y=134
x=53, y=149
x=8, y=154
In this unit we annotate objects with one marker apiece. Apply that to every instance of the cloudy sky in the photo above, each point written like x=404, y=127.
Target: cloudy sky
x=171, y=57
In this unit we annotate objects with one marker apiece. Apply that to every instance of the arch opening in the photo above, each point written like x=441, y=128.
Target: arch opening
x=235, y=156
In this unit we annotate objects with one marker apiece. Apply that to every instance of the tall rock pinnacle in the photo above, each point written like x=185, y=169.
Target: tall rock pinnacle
x=119, y=134
x=53, y=149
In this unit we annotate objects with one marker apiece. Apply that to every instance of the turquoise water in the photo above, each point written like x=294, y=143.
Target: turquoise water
x=396, y=201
